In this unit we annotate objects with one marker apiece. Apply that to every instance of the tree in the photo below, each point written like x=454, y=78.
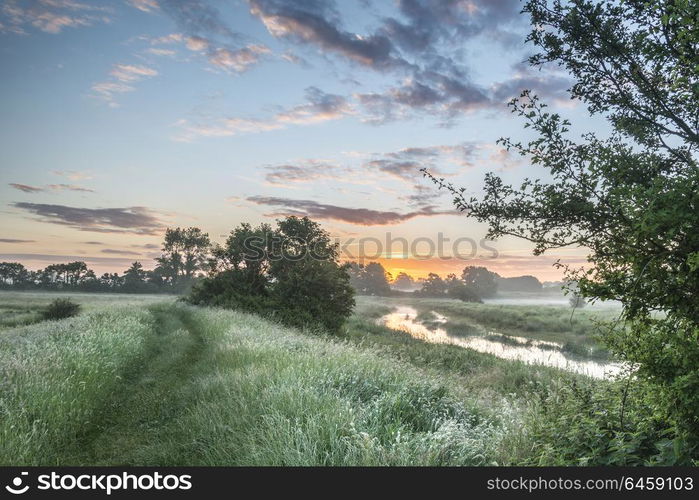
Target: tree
x=185, y=252
x=433, y=286
x=404, y=282
x=309, y=283
x=480, y=280
x=291, y=273
x=13, y=273
x=632, y=198
x=135, y=277
x=457, y=289
x=76, y=272
x=577, y=301
x=111, y=281
x=369, y=279
x=519, y=284
x=377, y=279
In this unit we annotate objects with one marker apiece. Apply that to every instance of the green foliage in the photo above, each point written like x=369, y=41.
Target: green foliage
x=185, y=252
x=462, y=292
x=480, y=280
x=585, y=423
x=632, y=199
x=60, y=309
x=433, y=286
x=403, y=281
x=291, y=274
x=370, y=279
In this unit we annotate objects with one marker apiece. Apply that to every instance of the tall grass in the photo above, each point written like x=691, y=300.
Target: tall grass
x=170, y=384
x=264, y=394
x=175, y=385
x=55, y=376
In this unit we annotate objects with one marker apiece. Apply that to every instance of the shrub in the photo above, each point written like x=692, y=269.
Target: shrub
x=463, y=293
x=61, y=308
x=290, y=274
x=591, y=423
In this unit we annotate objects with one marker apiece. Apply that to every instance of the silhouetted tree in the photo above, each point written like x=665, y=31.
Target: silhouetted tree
x=480, y=280
x=185, y=252
x=519, y=284
x=13, y=274
x=369, y=279
x=404, y=282
x=135, y=277
x=433, y=286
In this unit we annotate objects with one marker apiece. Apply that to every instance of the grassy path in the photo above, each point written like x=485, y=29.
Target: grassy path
x=148, y=396
x=170, y=384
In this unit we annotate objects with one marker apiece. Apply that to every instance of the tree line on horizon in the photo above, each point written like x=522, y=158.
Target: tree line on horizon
x=184, y=258
x=474, y=284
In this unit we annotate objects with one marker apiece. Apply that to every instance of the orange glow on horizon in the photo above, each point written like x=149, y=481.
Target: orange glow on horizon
x=540, y=267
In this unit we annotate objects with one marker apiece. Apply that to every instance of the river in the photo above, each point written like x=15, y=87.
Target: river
x=535, y=352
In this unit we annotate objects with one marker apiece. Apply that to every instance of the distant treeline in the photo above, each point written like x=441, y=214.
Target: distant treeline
x=474, y=284
x=184, y=258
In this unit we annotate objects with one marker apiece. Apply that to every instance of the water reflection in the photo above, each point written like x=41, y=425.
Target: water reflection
x=517, y=348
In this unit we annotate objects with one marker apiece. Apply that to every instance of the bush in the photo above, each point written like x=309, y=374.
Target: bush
x=61, y=308
x=592, y=423
x=463, y=293
x=290, y=274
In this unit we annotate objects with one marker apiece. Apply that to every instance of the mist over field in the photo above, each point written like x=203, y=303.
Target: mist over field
x=324, y=233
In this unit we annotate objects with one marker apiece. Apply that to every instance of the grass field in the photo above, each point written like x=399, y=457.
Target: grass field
x=24, y=308
x=144, y=380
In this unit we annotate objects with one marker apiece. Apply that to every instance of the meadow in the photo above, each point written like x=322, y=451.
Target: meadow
x=147, y=380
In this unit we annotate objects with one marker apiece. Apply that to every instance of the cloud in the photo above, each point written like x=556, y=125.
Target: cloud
x=426, y=23
x=406, y=170
x=431, y=93
x=405, y=164
x=547, y=84
x=69, y=187
x=319, y=107
x=49, y=16
x=53, y=187
x=118, y=252
x=204, y=31
x=237, y=60
x=135, y=220
x=307, y=171
x=47, y=259
x=422, y=196
x=145, y=5
x=311, y=22
x=356, y=216
x=423, y=42
x=123, y=76
x=161, y=52
x=167, y=39
x=26, y=188
x=197, y=18
x=12, y=240
x=131, y=73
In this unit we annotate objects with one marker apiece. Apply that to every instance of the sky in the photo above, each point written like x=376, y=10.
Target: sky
x=122, y=118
